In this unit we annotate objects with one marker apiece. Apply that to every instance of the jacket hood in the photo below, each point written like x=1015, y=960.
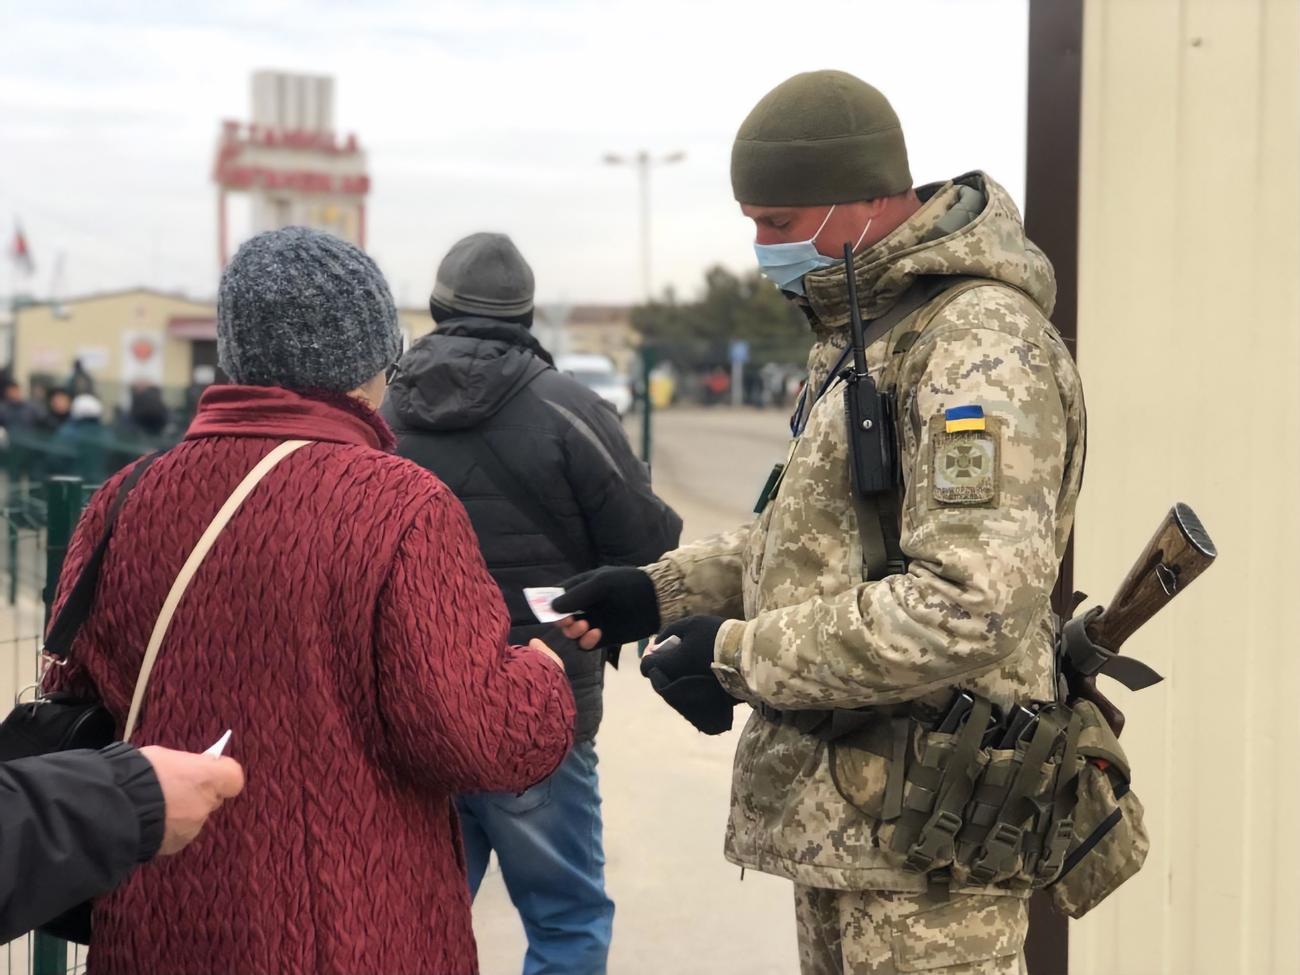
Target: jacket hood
x=967, y=227
x=456, y=377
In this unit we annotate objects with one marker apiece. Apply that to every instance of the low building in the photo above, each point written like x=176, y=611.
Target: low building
x=138, y=335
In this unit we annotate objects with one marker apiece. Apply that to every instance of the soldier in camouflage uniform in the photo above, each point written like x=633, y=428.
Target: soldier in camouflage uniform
x=777, y=612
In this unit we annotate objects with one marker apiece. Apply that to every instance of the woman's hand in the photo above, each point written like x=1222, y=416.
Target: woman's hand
x=546, y=651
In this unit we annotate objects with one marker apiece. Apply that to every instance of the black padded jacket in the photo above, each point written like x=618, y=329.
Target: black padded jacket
x=72, y=826
x=479, y=403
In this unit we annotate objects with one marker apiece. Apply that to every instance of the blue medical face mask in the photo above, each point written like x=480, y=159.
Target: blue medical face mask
x=786, y=264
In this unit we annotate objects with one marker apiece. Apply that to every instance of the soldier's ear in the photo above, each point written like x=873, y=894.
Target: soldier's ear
x=874, y=208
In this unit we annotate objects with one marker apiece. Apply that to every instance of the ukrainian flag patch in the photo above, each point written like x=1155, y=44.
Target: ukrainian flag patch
x=965, y=464
x=960, y=418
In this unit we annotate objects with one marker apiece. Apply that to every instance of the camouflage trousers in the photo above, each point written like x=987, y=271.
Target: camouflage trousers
x=875, y=932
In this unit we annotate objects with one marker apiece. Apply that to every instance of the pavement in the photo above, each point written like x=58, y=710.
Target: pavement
x=681, y=908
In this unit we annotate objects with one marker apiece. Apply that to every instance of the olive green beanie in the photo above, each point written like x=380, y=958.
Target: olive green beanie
x=819, y=137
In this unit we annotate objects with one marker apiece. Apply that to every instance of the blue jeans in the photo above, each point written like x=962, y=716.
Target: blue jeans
x=549, y=844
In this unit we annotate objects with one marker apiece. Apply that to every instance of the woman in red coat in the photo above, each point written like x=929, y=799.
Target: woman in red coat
x=343, y=625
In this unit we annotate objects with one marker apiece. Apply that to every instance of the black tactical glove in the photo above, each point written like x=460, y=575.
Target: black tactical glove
x=617, y=600
x=683, y=674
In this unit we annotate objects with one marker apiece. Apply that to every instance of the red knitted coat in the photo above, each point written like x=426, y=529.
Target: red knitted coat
x=345, y=627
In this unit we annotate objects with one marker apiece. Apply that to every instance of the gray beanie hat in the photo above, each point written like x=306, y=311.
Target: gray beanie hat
x=484, y=274
x=302, y=309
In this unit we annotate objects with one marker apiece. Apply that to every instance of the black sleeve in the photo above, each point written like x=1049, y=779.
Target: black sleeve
x=626, y=522
x=72, y=826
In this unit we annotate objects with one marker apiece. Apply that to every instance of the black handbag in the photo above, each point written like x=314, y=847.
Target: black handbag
x=61, y=721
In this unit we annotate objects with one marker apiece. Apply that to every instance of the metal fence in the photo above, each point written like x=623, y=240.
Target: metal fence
x=91, y=452
x=37, y=521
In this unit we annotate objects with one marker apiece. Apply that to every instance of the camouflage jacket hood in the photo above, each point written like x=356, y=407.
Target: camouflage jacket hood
x=985, y=517
x=968, y=226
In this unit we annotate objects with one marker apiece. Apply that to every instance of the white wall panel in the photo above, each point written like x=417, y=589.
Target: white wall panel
x=1189, y=342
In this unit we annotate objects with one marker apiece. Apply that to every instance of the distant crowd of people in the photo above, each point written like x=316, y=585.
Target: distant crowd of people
x=62, y=428
x=773, y=385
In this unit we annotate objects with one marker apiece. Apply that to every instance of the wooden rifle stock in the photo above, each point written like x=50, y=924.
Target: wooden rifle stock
x=1177, y=554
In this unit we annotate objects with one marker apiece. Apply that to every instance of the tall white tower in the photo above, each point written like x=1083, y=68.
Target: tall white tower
x=291, y=162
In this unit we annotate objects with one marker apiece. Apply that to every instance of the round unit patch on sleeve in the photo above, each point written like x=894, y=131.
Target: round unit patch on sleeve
x=964, y=462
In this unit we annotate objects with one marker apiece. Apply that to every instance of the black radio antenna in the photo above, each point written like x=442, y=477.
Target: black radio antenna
x=855, y=315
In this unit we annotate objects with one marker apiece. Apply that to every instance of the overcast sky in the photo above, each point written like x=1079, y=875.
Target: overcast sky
x=475, y=115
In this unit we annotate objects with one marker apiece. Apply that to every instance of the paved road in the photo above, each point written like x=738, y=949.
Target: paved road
x=711, y=464
x=681, y=907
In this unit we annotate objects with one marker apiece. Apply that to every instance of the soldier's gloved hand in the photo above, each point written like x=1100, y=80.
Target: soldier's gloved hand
x=683, y=674
x=609, y=607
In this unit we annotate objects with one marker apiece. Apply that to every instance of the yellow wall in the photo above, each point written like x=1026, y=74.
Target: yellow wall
x=45, y=342
x=1189, y=342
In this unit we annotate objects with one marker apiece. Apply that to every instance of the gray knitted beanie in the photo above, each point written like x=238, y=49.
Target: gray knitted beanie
x=484, y=274
x=302, y=309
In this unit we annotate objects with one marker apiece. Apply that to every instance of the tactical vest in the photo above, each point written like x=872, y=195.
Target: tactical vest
x=1054, y=811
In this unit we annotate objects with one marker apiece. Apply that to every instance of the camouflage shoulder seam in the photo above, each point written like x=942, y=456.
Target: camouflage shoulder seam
x=941, y=323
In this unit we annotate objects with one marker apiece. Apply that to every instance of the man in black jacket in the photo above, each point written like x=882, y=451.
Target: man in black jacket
x=74, y=824
x=552, y=488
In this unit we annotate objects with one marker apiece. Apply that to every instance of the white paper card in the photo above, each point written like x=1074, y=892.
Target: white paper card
x=219, y=746
x=539, y=601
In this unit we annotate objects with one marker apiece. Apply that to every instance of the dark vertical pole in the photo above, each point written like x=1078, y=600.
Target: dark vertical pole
x=63, y=498
x=647, y=365
x=49, y=955
x=63, y=506
x=1052, y=220
x=15, y=489
x=1052, y=163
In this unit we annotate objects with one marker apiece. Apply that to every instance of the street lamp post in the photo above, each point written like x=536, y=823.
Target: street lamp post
x=643, y=162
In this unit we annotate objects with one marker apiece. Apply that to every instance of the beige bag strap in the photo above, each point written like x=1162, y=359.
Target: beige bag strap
x=191, y=566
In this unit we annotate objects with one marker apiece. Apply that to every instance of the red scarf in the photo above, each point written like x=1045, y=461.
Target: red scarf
x=271, y=412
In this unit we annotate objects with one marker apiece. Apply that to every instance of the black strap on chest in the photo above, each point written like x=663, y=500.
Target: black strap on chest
x=879, y=516
x=879, y=513
x=922, y=291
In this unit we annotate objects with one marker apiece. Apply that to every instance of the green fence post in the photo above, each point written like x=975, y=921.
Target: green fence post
x=63, y=507
x=13, y=544
x=647, y=407
x=49, y=955
x=13, y=499
x=647, y=363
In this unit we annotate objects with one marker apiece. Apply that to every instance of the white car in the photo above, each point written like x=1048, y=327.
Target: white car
x=597, y=373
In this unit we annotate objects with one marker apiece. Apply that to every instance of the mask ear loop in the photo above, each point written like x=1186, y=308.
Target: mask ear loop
x=864, y=234
x=813, y=238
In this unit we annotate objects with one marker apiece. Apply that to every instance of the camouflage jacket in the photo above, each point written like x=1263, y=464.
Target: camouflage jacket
x=985, y=519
